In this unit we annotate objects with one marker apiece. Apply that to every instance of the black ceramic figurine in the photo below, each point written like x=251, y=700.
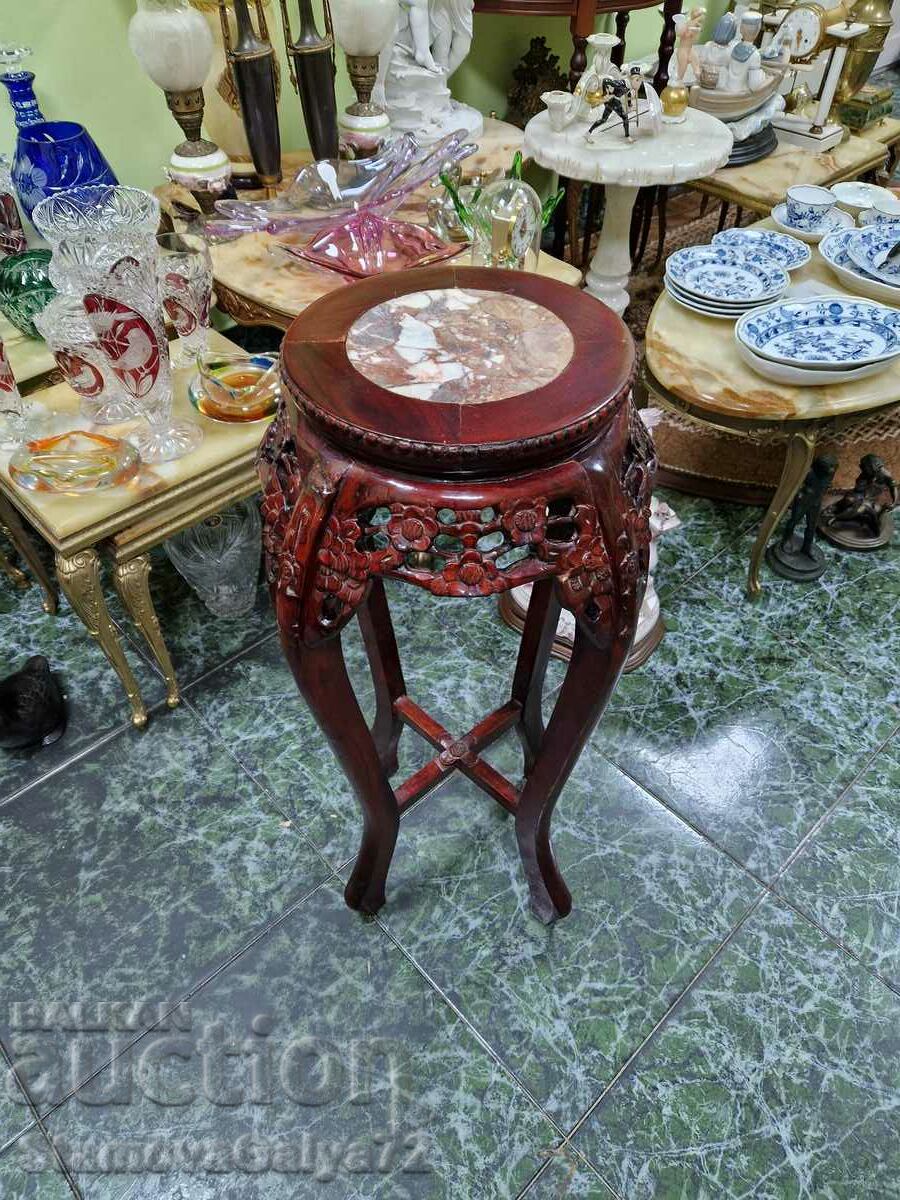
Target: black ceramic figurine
x=616, y=102
x=312, y=73
x=794, y=556
x=252, y=61
x=862, y=516
x=32, y=707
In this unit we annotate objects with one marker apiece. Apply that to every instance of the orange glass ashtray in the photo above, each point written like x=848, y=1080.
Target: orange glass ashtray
x=236, y=387
x=77, y=461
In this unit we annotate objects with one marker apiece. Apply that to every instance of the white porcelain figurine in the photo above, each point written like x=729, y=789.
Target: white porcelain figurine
x=430, y=41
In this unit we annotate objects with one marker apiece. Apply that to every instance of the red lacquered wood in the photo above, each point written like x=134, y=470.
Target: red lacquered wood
x=552, y=488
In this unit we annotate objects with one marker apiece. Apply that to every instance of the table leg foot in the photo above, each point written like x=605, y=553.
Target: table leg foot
x=321, y=675
x=797, y=462
x=590, y=679
x=610, y=268
x=132, y=580
x=79, y=578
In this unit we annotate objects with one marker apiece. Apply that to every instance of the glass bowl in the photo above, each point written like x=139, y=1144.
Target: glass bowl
x=96, y=209
x=25, y=288
x=236, y=387
x=73, y=462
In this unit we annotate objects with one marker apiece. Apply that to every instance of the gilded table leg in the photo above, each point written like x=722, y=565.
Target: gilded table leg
x=79, y=578
x=18, y=578
x=20, y=538
x=796, y=464
x=132, y=580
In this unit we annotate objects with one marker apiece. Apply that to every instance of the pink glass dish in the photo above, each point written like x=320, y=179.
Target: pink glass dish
x=366, y=244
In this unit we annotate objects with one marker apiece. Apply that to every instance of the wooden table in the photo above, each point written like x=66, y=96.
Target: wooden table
x=464, y=441
x=691, y=364
x=127, y=522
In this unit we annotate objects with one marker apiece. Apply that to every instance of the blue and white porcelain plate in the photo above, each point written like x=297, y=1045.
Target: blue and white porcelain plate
x=789, y=252
x=869, y=247
x=726, y=273
x=824, y=331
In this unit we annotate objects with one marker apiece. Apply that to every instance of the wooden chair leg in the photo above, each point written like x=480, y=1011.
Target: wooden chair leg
x=704, y=203
x=531, y=666
x=321, y=675
x=723, y=216
x=589, y=682
x=590, y=221
x=662, y=201
x=387, y=673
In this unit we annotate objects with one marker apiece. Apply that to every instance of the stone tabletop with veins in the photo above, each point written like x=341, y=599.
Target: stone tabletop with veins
x=459, y=346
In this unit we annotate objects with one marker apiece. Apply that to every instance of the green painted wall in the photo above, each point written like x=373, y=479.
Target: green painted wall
x=86, y=72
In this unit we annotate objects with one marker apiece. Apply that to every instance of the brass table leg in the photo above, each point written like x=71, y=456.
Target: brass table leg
x=797, y=461
x=19, y=537
x=132, y=580
x=18, y=578
x=79, y=578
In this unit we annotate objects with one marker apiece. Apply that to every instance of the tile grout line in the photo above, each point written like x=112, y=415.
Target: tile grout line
x=666, y=1017
x=39, y=1124
x=189, y=995
x=584, y=1163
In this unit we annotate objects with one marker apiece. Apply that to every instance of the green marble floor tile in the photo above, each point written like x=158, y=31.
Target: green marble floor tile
x=746, y=740
x=568, y=1177
x=777, y=1078
x=125, y=879
x=707, y=528
x=850, y=613
x=364, y=1082
x=30, y=1172
x=563, y=1006
x=197, y=639
x=96, y=700
x=848, y=876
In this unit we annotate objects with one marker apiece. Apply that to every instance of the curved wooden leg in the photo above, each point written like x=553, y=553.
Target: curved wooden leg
x=797, y=462
x=16, y=577
x=589, y=682
x=321, y=675
x=531, y=666
x=79, y=578
x=387, y=674
x=132, y=580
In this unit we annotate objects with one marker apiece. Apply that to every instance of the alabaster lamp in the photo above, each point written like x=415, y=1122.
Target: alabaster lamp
x=174, y=46
x=362, y=28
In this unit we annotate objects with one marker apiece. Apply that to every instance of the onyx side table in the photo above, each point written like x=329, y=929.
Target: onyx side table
x=464, y=430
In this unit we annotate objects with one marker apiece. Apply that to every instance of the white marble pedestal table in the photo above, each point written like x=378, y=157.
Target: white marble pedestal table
x=678, y=153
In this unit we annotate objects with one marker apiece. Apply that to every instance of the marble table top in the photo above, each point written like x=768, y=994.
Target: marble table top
x=459, y=346
x=62, y=519
x=695, y=359
x=698, y=145
x=762, y=185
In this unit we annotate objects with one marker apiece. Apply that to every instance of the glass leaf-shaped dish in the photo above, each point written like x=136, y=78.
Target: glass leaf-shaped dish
x=74, y=462
x=368, y=245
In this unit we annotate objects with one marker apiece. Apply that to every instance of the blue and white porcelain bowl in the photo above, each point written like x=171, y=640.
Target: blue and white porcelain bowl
x=725, y=273
x=825, y=331
x=808, y=205
x=789, y=252
x=869, y=249
x=834, y=251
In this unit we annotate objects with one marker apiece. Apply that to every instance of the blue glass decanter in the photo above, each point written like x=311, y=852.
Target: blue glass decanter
x=51, y=156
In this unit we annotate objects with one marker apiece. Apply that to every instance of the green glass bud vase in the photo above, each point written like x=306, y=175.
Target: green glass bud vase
x=25, y=288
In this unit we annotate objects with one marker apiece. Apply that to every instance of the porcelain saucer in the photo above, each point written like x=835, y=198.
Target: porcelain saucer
x=836, y=219
x=785, y=249
x=783, y=373
x=828, y=332
x=705, y=308
x=723, y=306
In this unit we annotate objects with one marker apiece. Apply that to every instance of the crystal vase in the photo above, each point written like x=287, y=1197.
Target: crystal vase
x=219, y=557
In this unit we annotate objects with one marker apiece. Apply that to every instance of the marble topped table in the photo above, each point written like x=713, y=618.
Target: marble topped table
x=759, y=186
x=126, y=522
x=692, y=364
x=678, y=153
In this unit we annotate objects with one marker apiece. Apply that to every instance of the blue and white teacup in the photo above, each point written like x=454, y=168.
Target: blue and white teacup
x=808, y=205
x=886, y=210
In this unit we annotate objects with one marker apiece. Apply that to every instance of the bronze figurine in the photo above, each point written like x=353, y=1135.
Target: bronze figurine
x=794, y=556
x=862, y=516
